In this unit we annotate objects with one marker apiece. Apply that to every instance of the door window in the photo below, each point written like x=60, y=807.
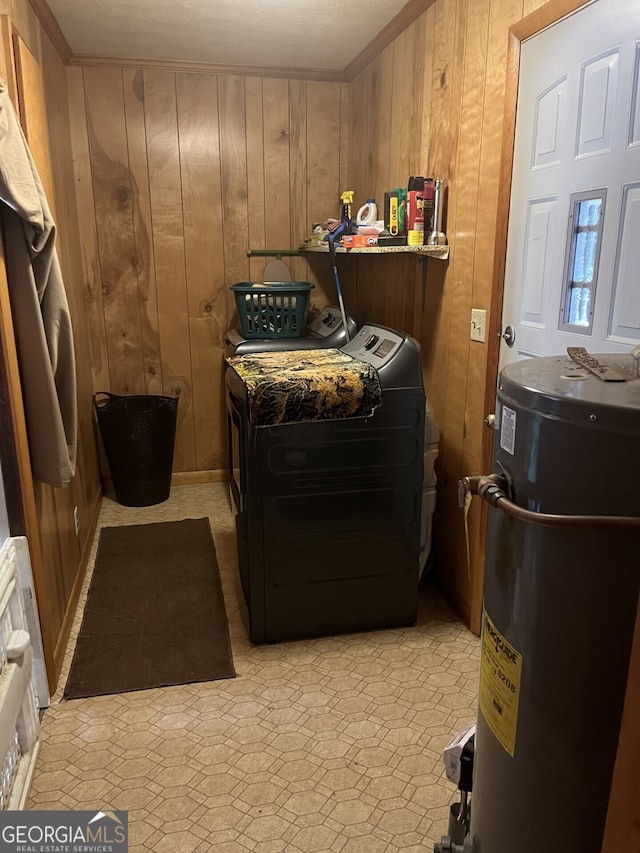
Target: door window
x=586, y=212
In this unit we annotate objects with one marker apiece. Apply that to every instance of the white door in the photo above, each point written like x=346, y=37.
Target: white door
x=572, y=273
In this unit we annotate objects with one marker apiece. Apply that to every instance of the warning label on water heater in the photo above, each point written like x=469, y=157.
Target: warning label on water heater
x=500, y=676
x=508, y=430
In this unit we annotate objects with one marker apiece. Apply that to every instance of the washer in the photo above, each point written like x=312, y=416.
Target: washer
x=328, y=513
x=326, y=330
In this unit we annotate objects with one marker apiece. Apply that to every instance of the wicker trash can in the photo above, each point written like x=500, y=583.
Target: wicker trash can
x=138, y=433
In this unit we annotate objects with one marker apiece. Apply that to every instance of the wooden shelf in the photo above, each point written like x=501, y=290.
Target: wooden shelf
x=440, y=252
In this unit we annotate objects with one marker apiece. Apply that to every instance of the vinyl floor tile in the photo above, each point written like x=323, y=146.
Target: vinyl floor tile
x=328, y=745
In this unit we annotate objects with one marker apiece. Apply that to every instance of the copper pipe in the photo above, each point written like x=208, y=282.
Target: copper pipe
x=492, y=488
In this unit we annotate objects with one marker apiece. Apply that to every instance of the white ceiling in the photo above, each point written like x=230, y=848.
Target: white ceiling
x=306, y=34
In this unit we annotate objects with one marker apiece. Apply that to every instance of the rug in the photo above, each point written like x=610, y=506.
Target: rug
x=154, y=614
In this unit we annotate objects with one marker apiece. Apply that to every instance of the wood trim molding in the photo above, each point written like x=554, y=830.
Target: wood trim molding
x=212, y=68
x=9, y=364
x=397, y=25
x=545, y=16
x=9, y=71
x=52, y=29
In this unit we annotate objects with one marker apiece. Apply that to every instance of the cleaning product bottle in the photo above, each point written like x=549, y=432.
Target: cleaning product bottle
x=368, y=213
x=402, y=208
x=345, y=216
x=436, y=236
x=415, y=211
x=429, y=195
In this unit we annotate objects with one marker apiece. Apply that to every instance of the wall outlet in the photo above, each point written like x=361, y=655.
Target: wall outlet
x=76, y=519
x=478, y=324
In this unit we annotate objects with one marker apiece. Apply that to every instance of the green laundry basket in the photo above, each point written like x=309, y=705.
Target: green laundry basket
x=272, y=309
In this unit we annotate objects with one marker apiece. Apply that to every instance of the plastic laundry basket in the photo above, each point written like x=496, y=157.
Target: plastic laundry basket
x=272, y=309
x=138, y=433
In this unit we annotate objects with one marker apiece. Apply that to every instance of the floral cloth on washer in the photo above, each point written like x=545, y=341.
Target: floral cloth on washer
x=309, y=385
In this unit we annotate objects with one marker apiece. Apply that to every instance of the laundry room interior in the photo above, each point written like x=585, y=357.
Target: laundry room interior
x=172, y=177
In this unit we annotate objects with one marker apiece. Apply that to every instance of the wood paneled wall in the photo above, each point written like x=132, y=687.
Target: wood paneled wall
x=178, y=174
x=59, y=554
x=433, y=104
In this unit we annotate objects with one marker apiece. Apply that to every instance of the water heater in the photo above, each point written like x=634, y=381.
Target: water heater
x=562, y=579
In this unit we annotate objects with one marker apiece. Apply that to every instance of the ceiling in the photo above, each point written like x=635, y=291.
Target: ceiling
x=303, y=34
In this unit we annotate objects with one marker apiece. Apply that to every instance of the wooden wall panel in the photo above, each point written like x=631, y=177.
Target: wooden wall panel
x=322, y=151
x=502, y=14
x=186, y=172
x=275, y=117
x=233, y=152
x=92, y=291
x=345, y=106
x=256, y=207
x=301, y=219
x=458, y=49
x=461, y=234
x=84, y=491
x=201, y=194
x=114, y=199
x=161, y=124
x=58, y=553
x=380, y=154
x=143, y=260
x=33, y=115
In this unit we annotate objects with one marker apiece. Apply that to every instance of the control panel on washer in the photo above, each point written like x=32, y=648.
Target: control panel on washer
x=375, y=345
x=328, y=321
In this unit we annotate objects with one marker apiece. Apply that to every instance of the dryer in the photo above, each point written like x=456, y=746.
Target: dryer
x=328, y=513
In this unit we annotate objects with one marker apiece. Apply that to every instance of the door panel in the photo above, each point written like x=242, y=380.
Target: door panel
x=625, y=298
x=596, y=107
x=577, y=132
x=550, y=112
x=536, y=272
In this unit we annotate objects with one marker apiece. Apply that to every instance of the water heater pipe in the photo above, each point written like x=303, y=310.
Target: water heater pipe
x=493, y=489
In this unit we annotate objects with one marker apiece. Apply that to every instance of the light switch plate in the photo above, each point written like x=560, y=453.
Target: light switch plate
x=478, y=324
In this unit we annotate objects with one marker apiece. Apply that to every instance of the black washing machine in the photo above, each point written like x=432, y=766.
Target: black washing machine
x=328, y=513
x=326, y=330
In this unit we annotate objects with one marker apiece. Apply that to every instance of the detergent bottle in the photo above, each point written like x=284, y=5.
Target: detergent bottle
x=368, y=213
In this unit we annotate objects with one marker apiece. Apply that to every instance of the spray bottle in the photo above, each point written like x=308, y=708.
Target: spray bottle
x=345, y=214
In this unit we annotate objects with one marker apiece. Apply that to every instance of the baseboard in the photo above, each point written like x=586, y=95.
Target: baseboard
x=456, y=603
x=183, y=478
x=191, y=478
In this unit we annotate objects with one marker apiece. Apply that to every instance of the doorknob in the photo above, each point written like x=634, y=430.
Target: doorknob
x=509, y=336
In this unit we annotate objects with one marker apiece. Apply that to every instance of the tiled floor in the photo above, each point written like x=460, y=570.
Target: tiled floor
x=330, y=744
